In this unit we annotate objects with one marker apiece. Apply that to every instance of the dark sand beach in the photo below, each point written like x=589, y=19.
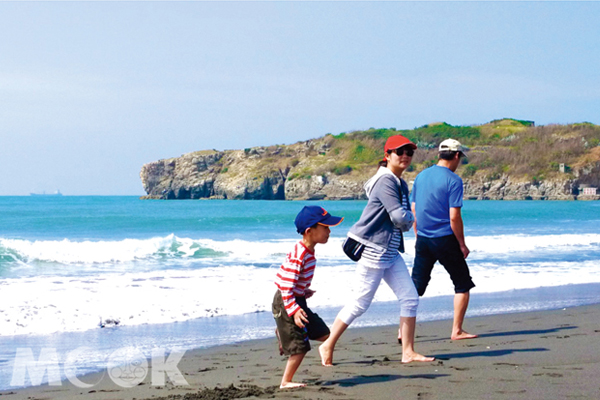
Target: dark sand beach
x=535, y=355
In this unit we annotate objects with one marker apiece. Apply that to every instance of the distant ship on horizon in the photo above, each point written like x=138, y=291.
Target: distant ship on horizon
x=57, y=193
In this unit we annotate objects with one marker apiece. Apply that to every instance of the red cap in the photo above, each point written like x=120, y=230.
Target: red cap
x=395, y=142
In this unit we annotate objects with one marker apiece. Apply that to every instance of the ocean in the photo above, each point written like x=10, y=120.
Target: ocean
x=112, y=272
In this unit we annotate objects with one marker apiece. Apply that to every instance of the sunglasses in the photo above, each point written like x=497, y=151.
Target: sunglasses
x=403, y=150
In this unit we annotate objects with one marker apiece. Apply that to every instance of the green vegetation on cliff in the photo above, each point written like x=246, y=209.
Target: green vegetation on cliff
x=506, y=146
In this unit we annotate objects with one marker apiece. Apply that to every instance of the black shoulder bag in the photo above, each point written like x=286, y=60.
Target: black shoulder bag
x=353, y=249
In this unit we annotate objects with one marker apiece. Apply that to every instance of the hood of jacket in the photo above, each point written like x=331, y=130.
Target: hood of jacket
x=368, y=186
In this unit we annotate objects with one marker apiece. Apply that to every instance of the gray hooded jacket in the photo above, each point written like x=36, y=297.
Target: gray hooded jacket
x=387, y=208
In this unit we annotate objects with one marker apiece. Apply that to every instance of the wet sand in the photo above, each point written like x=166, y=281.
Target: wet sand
x=538, y=355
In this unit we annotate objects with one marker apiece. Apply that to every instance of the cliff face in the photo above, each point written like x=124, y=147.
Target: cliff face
x=505, y=189
x=260, y=173
x=256, y=174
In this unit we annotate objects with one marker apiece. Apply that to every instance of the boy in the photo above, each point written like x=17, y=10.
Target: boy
x=296, y=323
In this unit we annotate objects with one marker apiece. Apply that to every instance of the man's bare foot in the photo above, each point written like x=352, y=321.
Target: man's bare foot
x=291, y=385
x=408, y=358
x=463, y=335
x=326, y=356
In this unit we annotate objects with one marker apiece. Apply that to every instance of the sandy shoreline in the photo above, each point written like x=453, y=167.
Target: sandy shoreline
x=534, y=355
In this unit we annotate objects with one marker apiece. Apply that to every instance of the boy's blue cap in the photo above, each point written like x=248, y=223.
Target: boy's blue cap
x=311, y=215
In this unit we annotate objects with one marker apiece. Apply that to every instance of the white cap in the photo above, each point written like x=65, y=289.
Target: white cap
x=452, y=145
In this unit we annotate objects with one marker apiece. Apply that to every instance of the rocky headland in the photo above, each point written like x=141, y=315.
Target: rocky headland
x=336, y=167
x=258, y=173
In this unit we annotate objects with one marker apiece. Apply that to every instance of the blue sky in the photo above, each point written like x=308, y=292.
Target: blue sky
x=90, y=91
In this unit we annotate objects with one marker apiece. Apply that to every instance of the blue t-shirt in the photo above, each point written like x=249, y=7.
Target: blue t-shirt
x=435, y=191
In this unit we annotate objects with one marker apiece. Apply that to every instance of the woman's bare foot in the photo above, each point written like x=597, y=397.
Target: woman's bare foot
x=408, y=358
x=326, y=356
x=463, y=335
x=291, y=385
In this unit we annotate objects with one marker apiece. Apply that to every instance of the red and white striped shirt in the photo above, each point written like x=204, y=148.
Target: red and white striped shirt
x=295, y=275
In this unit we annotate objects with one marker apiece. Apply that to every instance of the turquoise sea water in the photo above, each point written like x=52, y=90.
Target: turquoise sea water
x=203, y=270
x=96, y=218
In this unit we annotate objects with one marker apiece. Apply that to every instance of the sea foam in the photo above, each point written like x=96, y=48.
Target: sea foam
x=170, y=279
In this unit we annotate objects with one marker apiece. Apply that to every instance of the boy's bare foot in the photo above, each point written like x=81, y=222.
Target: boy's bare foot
x=291, y=385
x=326, y=356
x=408, y=358
x=463, y=335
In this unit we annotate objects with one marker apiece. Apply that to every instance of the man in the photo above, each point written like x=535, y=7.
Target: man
x=436, y=200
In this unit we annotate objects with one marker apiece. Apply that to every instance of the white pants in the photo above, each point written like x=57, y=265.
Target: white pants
x=368, y=279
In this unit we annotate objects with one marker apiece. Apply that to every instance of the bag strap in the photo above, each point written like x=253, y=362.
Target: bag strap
x=403, y=194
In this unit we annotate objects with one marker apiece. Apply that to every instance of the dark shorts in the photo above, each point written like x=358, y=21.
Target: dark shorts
x=446, y=250
x=294, y=340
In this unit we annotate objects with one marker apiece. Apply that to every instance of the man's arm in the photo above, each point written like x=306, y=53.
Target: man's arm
x=456, y=223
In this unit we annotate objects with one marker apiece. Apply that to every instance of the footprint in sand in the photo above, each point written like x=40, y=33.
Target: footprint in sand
x=511, y=391
x=550, y=374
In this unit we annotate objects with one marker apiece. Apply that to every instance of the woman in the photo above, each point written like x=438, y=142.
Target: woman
x=379, y=229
